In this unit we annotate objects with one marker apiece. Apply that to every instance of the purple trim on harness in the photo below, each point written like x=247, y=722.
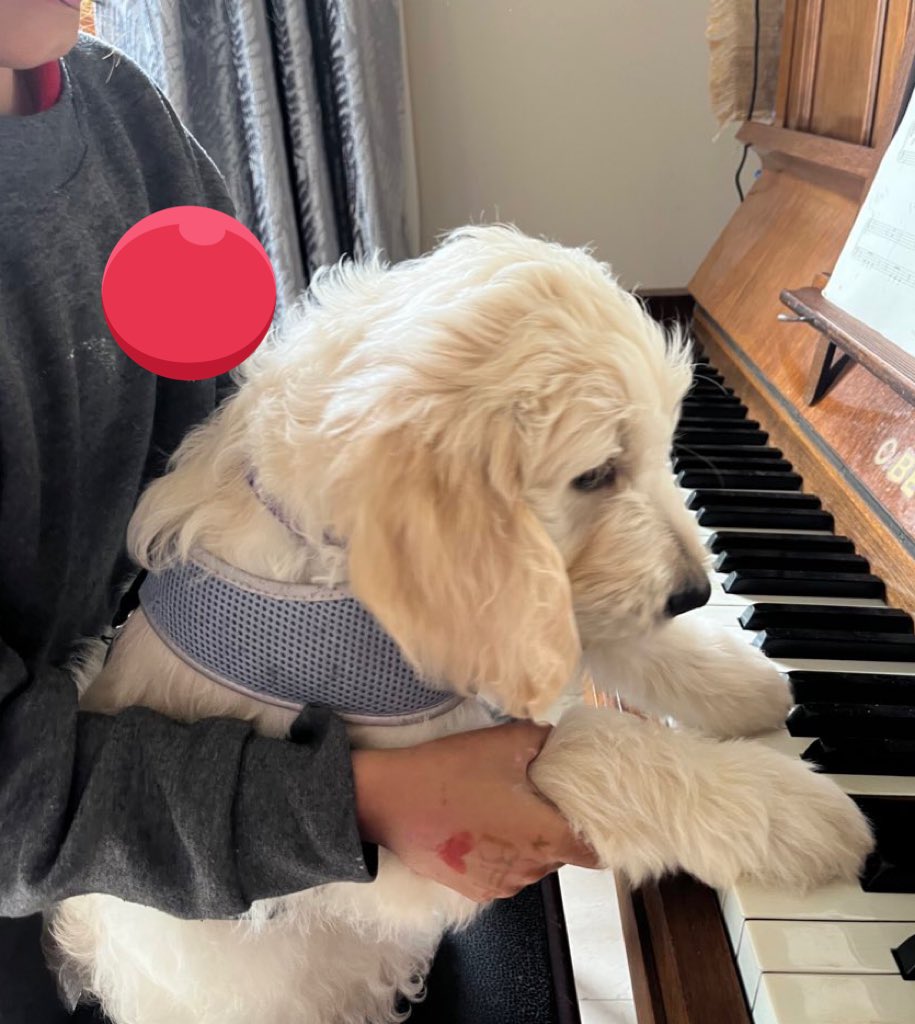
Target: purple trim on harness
x=280, y=516
x=271, y=506
x=285, y=644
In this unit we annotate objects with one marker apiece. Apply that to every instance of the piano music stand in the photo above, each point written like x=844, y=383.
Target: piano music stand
x=857, y=341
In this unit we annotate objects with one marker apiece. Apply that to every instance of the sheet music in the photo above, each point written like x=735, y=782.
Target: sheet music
x=874, y=278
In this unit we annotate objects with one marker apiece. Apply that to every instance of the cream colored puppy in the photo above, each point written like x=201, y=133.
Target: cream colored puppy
x=487, y=430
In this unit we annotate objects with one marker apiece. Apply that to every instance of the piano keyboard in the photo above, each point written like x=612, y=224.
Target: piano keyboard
x=787, y=583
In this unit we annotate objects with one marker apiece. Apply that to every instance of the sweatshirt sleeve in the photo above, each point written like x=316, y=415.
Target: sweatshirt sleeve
x=197, y=820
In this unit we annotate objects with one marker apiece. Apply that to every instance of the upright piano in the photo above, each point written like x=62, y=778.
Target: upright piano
x=797, y=453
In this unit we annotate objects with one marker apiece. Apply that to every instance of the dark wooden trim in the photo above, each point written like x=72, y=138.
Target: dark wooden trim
x=643, y=973
x=675, y=929
x=832, y=154
x=866, y=346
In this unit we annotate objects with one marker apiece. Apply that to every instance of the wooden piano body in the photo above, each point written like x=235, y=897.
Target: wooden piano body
x=846, y=69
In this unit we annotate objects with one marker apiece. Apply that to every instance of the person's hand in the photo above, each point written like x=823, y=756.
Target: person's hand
x=462, y=811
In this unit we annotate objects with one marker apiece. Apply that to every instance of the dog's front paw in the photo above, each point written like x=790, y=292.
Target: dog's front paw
x=750, y=696
x=811, y=832
x=649, y=800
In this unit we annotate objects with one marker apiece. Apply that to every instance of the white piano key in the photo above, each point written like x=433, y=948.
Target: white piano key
x=748, y=968
x=821, y=947
x=595, y=934
x=834, y=999
x=607, y=1011
x=733, y=917
x=896, y=668
x=740, y=601
x=838, y=901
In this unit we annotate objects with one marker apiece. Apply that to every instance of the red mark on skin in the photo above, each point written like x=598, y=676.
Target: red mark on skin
x=453, y=851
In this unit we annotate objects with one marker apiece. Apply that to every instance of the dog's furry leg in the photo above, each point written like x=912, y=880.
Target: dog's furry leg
x=650, y=800
x=700, y=674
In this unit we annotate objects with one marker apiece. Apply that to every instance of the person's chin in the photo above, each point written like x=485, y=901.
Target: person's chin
x=50, y=31
x=61, y=33
x=60, y=42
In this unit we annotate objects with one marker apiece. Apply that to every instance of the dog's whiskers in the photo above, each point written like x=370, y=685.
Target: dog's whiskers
x=698, y=455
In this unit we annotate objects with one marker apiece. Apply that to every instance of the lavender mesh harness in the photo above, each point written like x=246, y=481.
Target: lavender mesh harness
x=286, y=644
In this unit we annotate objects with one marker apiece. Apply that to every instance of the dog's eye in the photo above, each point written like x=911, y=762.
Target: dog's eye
x=595, y=479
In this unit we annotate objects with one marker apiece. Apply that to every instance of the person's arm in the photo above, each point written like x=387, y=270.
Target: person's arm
x=197, y=820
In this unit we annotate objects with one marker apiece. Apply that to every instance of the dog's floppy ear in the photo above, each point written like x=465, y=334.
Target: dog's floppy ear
x=461, y=573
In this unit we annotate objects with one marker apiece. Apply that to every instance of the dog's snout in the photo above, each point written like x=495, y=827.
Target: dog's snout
x=694, y=596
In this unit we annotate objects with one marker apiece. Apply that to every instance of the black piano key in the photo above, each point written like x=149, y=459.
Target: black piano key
x=814, y=616
x=862, y=756
x=709, y=389
x=765, y=518
x=727, y=464
x=747, y=452
x=716, y=404
x=853, y=721
x=690, y=435
x=882, y=875
x=836, y=645
x=699, y=421
x=852, y=687
x=814, y=561
x=699, y=378
x=746, y=479
x=904, y=955
x=707, y=497
x=891, y=867
x=709, y=382
x=803, y=584
x=727, y=540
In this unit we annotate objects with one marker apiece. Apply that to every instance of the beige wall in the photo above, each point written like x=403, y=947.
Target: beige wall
x=585, y=120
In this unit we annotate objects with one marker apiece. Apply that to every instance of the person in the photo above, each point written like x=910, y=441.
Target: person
x=198, y=820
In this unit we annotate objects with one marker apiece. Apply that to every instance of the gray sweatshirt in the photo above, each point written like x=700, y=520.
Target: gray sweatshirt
x=197, y=820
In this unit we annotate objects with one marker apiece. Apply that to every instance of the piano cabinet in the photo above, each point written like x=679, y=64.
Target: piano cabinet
x=847, y=68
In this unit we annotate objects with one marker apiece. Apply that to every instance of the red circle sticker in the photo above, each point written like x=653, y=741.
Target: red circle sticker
x=188, y=293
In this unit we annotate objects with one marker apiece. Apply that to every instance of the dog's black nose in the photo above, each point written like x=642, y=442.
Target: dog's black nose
x=686, y=600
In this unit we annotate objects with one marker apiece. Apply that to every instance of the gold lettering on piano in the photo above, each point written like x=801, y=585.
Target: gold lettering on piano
x=898, y=466
x=886, y=451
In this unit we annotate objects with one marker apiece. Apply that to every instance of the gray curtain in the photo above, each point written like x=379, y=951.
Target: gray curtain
x=304, y=107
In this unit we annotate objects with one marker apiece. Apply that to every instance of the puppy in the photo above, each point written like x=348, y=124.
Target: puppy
x=476, y=444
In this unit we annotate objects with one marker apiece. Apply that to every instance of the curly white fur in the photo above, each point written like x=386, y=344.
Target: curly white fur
x=435, y=414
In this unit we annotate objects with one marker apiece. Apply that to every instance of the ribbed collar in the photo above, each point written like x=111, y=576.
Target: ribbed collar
x=40, y=152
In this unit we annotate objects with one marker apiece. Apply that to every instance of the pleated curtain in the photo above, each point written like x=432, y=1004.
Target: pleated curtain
x=304, y=107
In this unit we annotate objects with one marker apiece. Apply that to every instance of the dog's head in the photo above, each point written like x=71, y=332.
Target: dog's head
x=497, y=420
x=489, y=429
